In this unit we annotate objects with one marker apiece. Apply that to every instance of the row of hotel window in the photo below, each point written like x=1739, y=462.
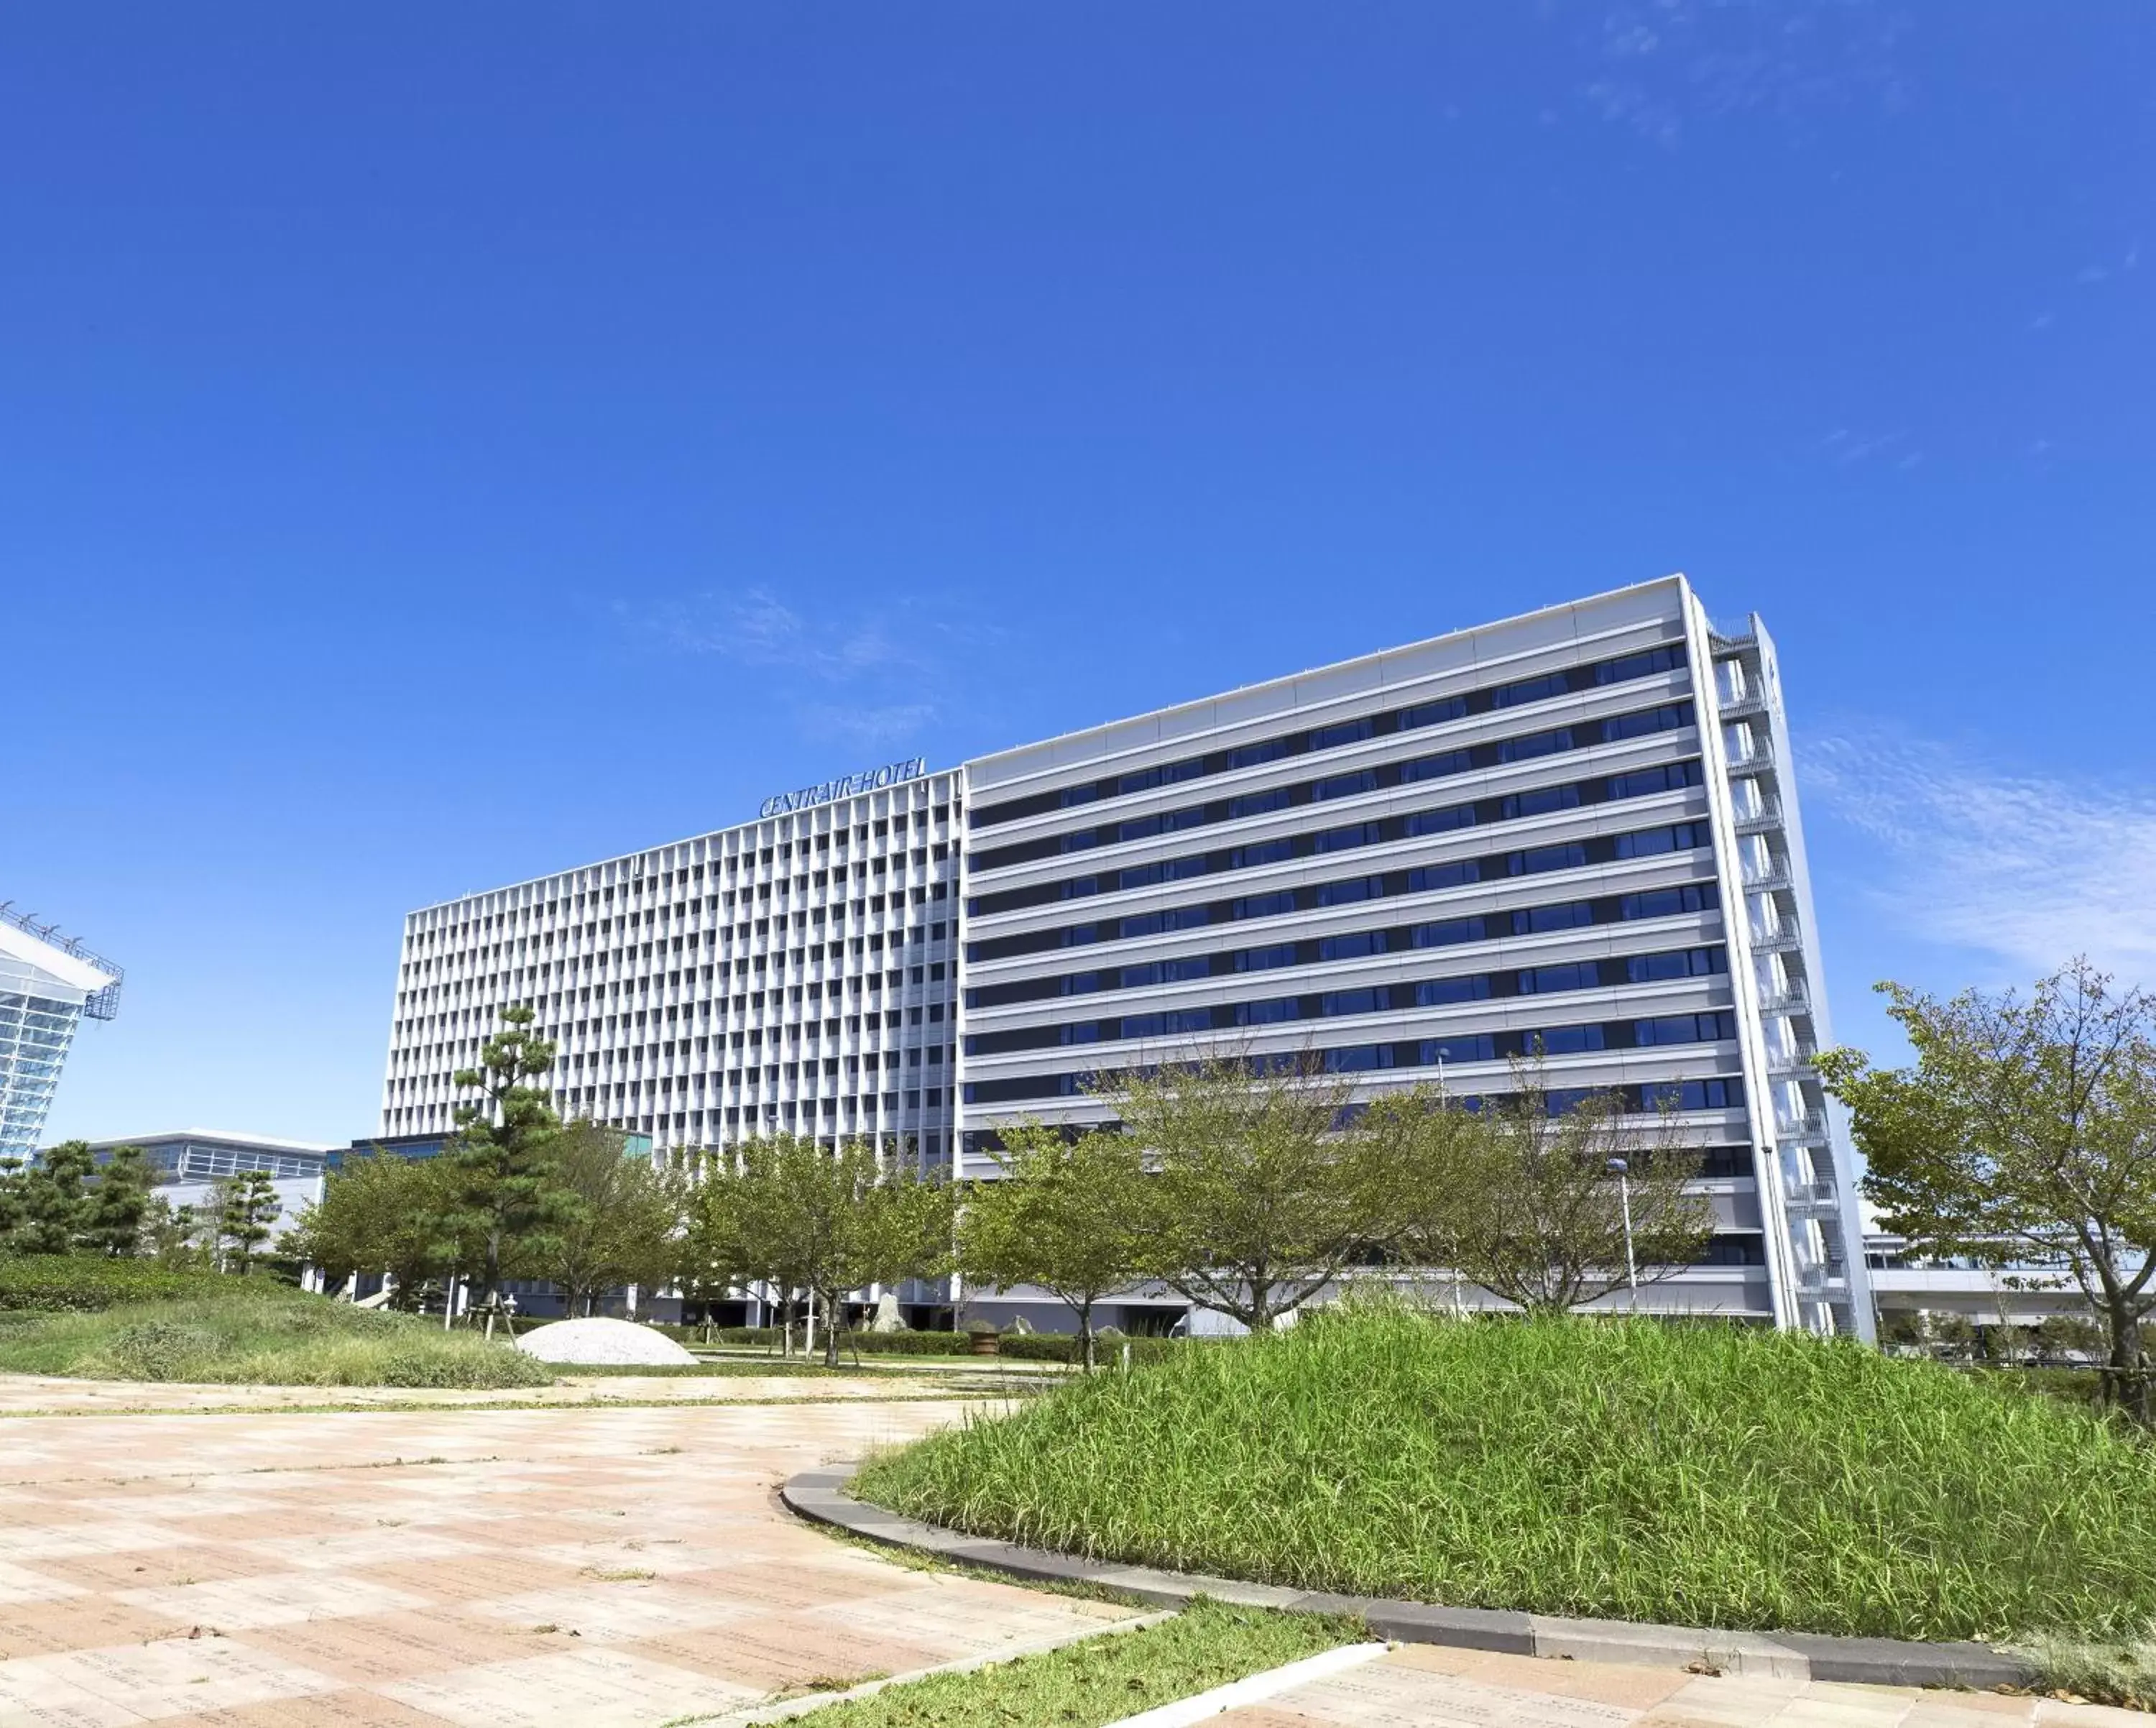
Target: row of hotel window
x=1671, y=716
x=1317, y=842
x=1722, y=1092
x=1571, y=680
x=1602, y=849
x=1425, y=993
x=1372, y=998
x=1361, y=944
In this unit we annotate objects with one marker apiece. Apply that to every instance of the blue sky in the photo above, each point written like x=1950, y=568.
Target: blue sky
x=444, y=444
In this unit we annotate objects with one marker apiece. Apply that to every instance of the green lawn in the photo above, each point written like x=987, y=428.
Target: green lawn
x=1699, y=1475
x=261, y=1334
x=1101, y=1680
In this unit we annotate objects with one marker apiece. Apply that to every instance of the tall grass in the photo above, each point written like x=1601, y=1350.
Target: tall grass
x=1696, y=1474
x=258, y=1336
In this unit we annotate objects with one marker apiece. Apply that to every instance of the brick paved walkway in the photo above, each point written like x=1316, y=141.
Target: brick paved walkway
x=516, y=1569
x=1419, y=1686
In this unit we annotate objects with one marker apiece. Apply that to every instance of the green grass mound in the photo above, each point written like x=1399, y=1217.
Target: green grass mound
x=248, y=1331
x=1700, y=1475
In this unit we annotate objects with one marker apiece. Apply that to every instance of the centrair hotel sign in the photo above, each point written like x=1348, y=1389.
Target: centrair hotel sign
x=868, y=780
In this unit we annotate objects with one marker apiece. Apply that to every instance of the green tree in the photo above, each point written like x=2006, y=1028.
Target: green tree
x=168, y=1233
x=382, y=1213
x=244, y=1210
x=113, y=1209
x=828, y=1222
x=55, y=1199
x=613, y=1220
x=13, y=1179
x=1258, y=1200
x=2025, y=1132
x=1070, y=1214
x=1519, y=1194
x=503, y=1140
x=714, y=1254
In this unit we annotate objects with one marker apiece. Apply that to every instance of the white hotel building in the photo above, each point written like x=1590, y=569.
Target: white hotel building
x=1578, y=827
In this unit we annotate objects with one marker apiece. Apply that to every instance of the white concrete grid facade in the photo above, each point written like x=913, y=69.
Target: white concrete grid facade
x=794, y=973
x=1577, y=825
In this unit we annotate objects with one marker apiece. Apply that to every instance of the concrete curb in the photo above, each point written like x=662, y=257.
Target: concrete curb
x=820, y=1496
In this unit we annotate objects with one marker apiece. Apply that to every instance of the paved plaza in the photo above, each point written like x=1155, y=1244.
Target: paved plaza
x=1422, y=1686
x=603, y=1566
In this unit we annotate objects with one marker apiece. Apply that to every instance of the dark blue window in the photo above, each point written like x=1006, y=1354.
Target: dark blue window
x=1527, y=690
x=1541, y=802
x=1667, y=902
x=1442, y=821
x=1264, y=960
x=1151, y=923
x=1373, y=1000
x=1346, y=785
x=1265, y=852
x=1144, y=876
x=1662, y=719
x=1437, y=992
x=1461, y=1047
x=1256, y=804
x=1358, y=1059
x=1443, y=876
x=1639, y=665
x=1448, y=933
x=1649, y=841
x=1685, y=1028
x=1166, y=775
x=1083, y=1031
x=1432, y=767
x=1338, y=840
x=1347, y=894
x=1168, y=1025
x=1072, y=796
x=1434, y=714
x=1251, y=906
x=1642, y=782
x=1677, y=963
x=1539, y=743
x=1166, y=822
x=1584, y=974
x=1348, y=731
x=1078, y=886
x=1538, y=859
x=1080, y=983
x=1695, y=1095
x=1355, y=945
x=1266, y=1013
x=1250, y=755
x=1573, y=916
x=1567, y=1040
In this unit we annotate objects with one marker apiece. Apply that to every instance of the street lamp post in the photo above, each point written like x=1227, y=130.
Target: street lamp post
x=1622, y=1170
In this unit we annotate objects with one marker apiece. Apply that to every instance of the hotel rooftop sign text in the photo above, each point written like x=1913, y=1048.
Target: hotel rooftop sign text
x=869, y=780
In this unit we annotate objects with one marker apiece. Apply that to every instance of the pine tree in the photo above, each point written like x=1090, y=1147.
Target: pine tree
x=500, y=1156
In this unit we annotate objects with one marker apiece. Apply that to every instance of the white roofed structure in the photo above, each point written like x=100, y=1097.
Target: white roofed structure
x=48, y=984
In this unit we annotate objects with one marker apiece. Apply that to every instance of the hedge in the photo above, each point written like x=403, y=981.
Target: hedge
x=84, y=1284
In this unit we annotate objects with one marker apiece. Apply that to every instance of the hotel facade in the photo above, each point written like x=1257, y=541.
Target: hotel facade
x=1576, y=831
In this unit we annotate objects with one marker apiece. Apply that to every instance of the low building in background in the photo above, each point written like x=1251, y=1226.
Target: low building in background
x=48, y=985
x=190, y=1161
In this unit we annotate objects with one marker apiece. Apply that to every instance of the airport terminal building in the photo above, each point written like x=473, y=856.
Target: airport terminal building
x=1576, y=829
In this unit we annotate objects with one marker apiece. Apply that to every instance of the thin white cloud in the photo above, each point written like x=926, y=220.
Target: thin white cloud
x=2029, y=869
x=896, y=723
x=756, y=628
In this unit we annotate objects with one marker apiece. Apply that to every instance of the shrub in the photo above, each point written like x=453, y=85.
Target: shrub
x=160, y=1350
x=80, y=1283
x=1704, y=1475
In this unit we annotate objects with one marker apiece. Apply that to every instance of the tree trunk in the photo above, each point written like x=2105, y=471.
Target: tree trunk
x=2128, y=1383
x=831, y=1312
x=1086, y=1334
